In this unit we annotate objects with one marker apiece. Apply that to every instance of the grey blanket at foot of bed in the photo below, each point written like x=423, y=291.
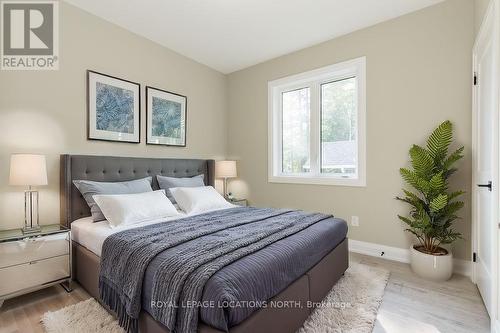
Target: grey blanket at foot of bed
x=258, y=276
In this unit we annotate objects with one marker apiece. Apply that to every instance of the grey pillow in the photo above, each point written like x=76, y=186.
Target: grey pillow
x=90, y=188
x=167, y=183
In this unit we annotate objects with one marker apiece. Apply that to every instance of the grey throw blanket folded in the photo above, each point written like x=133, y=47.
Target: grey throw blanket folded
x=210, y=242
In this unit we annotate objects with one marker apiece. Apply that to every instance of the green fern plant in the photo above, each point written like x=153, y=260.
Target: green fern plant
x=433, y=206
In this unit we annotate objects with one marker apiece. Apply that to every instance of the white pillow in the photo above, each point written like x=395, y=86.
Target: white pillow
x=196, y=200
x=124, y=209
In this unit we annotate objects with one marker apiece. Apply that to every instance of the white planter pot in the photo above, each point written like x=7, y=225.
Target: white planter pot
x=437, y=268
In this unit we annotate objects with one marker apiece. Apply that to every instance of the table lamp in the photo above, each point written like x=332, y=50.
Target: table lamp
x=29, y=170
x=225, y=169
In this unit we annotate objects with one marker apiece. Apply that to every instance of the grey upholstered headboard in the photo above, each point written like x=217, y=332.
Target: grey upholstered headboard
x=114, y=169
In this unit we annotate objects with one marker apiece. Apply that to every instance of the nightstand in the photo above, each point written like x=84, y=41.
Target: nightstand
x=34, y=261
x=239, y=202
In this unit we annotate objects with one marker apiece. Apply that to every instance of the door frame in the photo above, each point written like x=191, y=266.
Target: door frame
x=490, y=24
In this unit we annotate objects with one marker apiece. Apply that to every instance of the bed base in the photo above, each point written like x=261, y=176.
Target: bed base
x=313, y=286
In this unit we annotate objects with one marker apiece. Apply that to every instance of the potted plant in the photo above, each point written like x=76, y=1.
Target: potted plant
x=433, y=206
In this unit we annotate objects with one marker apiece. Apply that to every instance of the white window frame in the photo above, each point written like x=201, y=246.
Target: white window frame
x=313, y=80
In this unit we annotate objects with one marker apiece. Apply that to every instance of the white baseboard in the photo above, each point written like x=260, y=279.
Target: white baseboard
x=462, y=267
x=379, y=250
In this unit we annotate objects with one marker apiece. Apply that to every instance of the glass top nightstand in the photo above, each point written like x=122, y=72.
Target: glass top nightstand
x=16, y=234
x=44, y=257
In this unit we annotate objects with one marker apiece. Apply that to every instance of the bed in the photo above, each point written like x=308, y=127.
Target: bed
x=321, y=248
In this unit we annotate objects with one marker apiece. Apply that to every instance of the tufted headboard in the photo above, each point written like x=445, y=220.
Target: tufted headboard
x=114, y=169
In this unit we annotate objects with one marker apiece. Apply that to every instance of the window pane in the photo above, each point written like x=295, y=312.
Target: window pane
x=296, y=129
x=339, y=128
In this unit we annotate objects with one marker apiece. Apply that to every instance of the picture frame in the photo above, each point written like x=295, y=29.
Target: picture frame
x=166, y=118
x=113, y=108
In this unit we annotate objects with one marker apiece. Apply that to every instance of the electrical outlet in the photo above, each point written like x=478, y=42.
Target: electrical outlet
x=355, y=221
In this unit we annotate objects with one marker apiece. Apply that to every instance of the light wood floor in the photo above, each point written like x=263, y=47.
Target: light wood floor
x=410, y=305
x=415, y=305
x=22, y=314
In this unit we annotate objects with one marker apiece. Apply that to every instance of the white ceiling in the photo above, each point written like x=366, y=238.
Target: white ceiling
x=229, y=35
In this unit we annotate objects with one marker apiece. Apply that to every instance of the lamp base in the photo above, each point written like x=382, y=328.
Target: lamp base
x=226, y=193
x=31, y=230
x=31, y=224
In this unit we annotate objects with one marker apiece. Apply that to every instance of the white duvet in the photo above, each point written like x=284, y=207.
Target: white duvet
x=92, y=234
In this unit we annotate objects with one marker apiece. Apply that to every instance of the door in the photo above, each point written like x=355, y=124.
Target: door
x=485, y=163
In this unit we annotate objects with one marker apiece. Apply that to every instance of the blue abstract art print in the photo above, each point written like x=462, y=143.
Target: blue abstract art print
x=166, y=117
x=113, y=108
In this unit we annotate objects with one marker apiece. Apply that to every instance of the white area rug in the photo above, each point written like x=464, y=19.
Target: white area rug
x=83, y=317
x=352, y=304
x=351, y=307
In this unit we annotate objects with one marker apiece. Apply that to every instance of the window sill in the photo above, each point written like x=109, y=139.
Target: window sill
x=328, y=181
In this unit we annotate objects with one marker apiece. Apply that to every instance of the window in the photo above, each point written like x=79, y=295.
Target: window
x=317, y=126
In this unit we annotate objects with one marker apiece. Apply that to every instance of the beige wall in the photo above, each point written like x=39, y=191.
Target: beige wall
x=45, y=111
x=418, y=74
x=480, y=7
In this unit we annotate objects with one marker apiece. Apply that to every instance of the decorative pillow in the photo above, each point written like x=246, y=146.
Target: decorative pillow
x=167, y=183
x=124, y=209
x=196, y=200
x=90, y=188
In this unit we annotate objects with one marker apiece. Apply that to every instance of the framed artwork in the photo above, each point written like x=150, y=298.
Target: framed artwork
x=166, y=114
x=113, y=107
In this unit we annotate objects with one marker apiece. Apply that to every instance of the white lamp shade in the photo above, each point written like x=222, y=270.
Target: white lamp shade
x=28, y=169
x=225, y=169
